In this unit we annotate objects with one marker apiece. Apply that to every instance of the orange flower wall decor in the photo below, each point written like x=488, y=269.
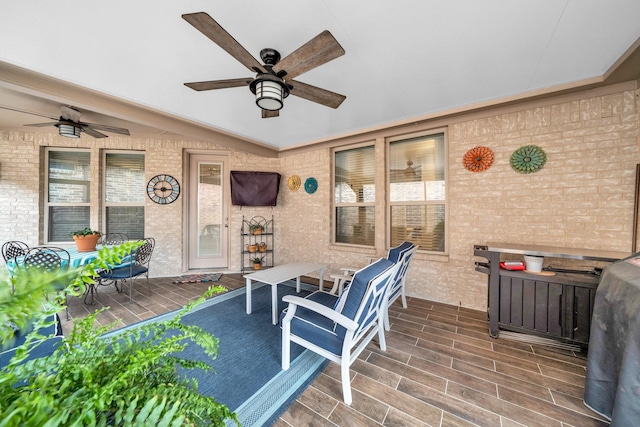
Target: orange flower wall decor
x=478, y=159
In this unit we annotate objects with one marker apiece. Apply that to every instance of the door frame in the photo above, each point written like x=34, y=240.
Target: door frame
x=186, y=155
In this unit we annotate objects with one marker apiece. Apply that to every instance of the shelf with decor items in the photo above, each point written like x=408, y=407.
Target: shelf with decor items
x=554, y=303
x=257, y=248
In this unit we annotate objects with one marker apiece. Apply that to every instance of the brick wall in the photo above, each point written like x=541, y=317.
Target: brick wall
x=583, y=197
x=21, y=193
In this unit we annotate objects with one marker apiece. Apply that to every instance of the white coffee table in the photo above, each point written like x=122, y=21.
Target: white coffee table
x=279, y=274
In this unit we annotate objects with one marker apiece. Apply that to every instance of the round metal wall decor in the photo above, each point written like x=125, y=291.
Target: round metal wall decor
x=294, y=182
x=478, y=159
x=163, y=189
x=310, y=185
x=528, y=159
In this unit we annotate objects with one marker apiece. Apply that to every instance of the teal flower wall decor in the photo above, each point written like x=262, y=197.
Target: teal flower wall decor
x=528, y=159
x=310, y=185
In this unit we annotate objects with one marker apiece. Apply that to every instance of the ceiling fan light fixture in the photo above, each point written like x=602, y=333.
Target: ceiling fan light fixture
x=269, y=95
x=69, y=130
x=270, y=91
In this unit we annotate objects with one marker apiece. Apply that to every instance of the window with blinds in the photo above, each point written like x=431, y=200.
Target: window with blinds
x=124, y=193
x=354, y=196
x=417, y=191
x=67, y=199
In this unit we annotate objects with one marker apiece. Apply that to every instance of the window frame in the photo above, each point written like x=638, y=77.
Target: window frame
x=104, y=205
x=389, y=204
x=47, y=204
x=335, y=206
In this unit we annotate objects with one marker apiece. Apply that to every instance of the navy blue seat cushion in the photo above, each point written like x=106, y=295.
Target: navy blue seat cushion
x=396, y=253
x=123, y=272
x=322, y=331
x=314, y=327
x=351, y=298
x=46, y=347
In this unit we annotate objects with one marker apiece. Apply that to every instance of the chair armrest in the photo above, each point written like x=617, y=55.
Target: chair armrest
x=350, y=270
x=345, y=277
x=338, y=283
x=327, y=312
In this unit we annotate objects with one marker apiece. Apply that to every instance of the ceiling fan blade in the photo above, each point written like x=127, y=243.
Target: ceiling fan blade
x=94, y=133
x=70, y=113
x=317, y=51
x=27, y=112
x=219, y=84
x=105, y=128
x=268, y=114
x=210, y=28
x=41, y=125
x=316, y=94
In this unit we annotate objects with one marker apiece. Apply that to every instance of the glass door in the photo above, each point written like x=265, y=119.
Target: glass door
x=208, y=212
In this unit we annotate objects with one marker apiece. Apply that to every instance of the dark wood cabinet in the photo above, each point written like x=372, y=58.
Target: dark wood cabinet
x=558, y=306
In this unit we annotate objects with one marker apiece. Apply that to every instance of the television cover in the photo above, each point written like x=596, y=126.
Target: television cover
x=254, y=188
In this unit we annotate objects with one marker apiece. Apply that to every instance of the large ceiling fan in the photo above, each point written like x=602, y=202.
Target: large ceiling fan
x=274, y=79
x=69, y=124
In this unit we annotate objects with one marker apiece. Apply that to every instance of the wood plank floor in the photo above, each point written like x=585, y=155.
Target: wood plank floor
x=440, y=369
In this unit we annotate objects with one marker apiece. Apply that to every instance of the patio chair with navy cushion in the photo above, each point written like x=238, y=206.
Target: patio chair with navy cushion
x=109, y=239
x=130, y=271
x=339, y=328
x=400, y=254
x=342, y=280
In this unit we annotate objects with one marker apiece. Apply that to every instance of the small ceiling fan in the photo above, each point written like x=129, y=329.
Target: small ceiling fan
x=409, y=173
x=69, y=124
x=274, y=79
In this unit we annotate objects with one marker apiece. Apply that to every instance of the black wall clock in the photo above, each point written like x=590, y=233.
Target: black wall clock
x=163, y=189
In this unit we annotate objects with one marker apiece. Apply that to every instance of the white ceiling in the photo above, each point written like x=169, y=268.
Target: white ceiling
x=404, y=59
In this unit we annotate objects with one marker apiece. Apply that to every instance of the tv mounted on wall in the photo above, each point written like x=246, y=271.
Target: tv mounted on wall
x=254, y=188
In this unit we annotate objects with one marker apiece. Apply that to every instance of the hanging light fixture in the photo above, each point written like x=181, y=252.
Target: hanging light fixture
x=70, y=130
x=270, y=90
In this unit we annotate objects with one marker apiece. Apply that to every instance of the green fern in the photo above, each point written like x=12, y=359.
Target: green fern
x=129, y=378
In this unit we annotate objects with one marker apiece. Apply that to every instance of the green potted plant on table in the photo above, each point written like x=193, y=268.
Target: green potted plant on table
x=133, y=377
x=86, y=239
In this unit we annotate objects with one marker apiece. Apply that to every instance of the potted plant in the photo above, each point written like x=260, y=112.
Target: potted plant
x=262, y=247
x=86, y=239
x=257, y=262
x=91, y=378
x=251, y=248
x=256, y=228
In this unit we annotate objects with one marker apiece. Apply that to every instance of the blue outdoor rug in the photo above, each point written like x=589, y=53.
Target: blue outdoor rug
x=247, y=374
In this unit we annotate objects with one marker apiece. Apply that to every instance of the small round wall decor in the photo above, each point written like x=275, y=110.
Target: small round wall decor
x=163, y=189
x=478, y=159
x=310, y=185
x=294, y=182
x=528, y=159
